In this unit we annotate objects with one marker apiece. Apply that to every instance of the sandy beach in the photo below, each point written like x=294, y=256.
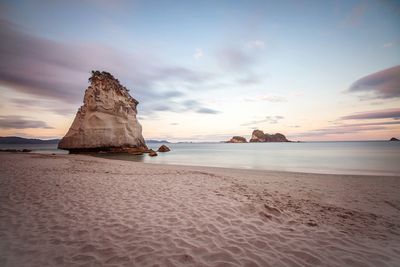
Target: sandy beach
x=75, y=210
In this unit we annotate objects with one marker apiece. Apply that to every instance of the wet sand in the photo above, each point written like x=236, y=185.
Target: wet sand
x=74, y=210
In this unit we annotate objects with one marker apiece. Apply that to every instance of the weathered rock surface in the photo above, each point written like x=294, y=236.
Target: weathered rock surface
x=237, y=139
x=163, y=148
x=394, y=139
x=152, y=153
x=106, y=121
x=260, y=136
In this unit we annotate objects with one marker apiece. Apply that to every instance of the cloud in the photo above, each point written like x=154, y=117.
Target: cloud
x=172, y=94
x=19, y=122
x=347, y=129
x=249, y=79
x=388, y=45
x=164, y=73
x=207, y=111
x=194, y=105
x=52, y=70
x=189, y=105
x=344, y=128
x=255, y=44
x=383, y=84
x=162, y=107
x=377, y=114
x=354, y=18
x=267, y=119
x=198, y=53
x=234, y=59
x=43, y=105
x=269, y=98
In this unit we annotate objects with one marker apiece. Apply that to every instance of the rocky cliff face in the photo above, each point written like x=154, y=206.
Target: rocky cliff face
x=106, y=121
x=260, y=136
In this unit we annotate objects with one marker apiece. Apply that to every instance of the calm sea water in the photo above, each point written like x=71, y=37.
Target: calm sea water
x=374, y=157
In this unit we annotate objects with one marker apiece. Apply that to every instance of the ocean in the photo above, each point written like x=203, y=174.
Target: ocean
x=363, y=157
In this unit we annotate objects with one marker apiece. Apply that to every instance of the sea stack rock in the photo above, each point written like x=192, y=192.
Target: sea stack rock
x=163, y=148
x=237, y=139
x=106, y=121
x=260, y=136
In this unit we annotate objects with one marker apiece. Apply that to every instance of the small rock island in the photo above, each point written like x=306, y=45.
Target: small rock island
x=237, y=139
x=394, y=139
x=107, y=120
x=259, y=136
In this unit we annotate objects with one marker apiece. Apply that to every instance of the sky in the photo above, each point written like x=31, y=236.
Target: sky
x=207, y=70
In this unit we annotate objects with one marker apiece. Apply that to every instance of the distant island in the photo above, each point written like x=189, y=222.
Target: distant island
x=237, y=139
x=15, y=140
x=259, y=136
x=394, y=139
x=152, y=141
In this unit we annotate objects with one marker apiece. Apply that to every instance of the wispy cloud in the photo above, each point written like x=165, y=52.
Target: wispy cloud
x=381, y=85
x=233, y=58
x=376, y=114
x=43, y=105
x=388, y=45
x=267, y=119
x=355, y=16
x=207, y=111
x=19, y=122
x=268, y=97
x=346, y=129
x=189, y=105
x=341, y=127
x=249, y=79
x=198, y=53
x=162, y=107
x=172, y=94
x=255, y=44
x=194, y=105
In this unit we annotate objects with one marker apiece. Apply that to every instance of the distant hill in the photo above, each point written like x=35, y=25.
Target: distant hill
x=20, y=140
x=151, y=141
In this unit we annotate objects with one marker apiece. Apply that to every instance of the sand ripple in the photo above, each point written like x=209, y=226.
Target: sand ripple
x=82, y=211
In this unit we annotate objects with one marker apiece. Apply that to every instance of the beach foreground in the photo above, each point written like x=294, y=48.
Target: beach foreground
x=74, y=210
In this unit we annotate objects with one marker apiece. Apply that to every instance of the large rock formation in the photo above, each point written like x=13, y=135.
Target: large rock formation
x=106, y=121
x=237, y=139
x=260, y=136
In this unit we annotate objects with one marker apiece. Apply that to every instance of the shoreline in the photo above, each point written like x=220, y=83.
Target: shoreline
x=359, y=159
x=240, y=169
x=101, y=156
x=74, y=210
